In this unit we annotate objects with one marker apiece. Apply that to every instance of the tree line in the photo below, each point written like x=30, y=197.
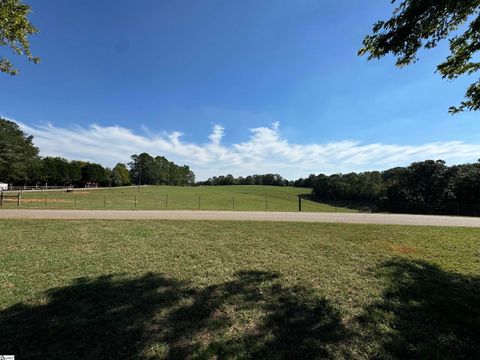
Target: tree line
x=421, y=183
x=20, y=164
x=427, y=182
x=266, y=179
x=146, y=169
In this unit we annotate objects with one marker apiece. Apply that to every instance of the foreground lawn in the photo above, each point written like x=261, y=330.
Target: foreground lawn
x=155, y=290
x=244, y=197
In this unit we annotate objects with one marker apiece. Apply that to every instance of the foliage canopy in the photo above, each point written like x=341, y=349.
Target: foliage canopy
x=14, y=31
x=417, y=24
x=17, y=152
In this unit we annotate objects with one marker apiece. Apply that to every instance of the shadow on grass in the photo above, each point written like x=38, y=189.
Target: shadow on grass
x=425, y=313
x=153, y=317
x=361, y=206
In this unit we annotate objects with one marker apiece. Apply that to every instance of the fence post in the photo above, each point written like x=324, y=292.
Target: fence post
x=198, y=202
x=299, y=203
x=45, y=200
x=135, y=201
x=1, y=199
x=18, y=200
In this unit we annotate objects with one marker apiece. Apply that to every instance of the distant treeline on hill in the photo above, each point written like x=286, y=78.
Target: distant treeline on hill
x=427, y=182
x=20, y=164
x=267, y=179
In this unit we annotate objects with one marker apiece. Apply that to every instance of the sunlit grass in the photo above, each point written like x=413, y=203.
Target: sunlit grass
x=239, y=198
x=180, y=289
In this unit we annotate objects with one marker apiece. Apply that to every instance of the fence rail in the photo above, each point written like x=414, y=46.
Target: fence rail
x=454, y=209
x=138, y=200
x=81, y=199
x=396, y=207
x=10, y=197
x=38, y=188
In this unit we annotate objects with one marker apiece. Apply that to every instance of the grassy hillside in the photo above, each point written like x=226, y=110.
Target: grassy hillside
x=255, y=198
x=167, y=290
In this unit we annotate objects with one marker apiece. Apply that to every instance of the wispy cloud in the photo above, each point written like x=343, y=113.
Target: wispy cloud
x=265, y=150
x=217, y=134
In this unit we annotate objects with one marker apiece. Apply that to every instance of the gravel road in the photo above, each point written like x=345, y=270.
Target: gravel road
x=351, y=218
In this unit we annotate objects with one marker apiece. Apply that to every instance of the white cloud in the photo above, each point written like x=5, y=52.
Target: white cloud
x=264, y=151
x=217, y=134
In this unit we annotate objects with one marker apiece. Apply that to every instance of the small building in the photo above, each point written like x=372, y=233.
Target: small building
x=3, y=186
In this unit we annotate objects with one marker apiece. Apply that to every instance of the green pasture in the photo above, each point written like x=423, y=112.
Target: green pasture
x=237, y=290
x=241, y=198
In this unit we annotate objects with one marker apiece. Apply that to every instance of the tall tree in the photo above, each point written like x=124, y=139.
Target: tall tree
x=162, y=167
x=95, y=173
x=17, y=153
x=417, y=24
x=467, y=183
x=75, y=170
x=120, y=175
x=14, y=31
x=56, y=171
x=142, y=169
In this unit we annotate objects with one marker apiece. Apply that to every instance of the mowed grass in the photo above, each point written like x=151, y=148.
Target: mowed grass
x=253, y=198
x=237, y=290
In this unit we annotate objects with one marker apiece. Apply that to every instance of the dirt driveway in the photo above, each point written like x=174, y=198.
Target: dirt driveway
x=351, y=218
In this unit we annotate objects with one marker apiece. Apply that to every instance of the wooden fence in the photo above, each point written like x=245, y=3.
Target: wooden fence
x=8, y=197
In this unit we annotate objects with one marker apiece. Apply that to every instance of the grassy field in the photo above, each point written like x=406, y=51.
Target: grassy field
x=255, y=198
x=234, y=290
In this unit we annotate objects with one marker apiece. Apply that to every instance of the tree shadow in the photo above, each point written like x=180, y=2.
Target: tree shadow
x=425, y=313
x=292, y=322
x=155, y=317
x=361, y=206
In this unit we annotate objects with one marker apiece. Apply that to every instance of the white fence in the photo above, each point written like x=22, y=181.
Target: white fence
x=38, y=188
x=64, y=188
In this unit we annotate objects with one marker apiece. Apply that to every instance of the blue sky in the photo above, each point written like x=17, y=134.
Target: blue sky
x=276, y=84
